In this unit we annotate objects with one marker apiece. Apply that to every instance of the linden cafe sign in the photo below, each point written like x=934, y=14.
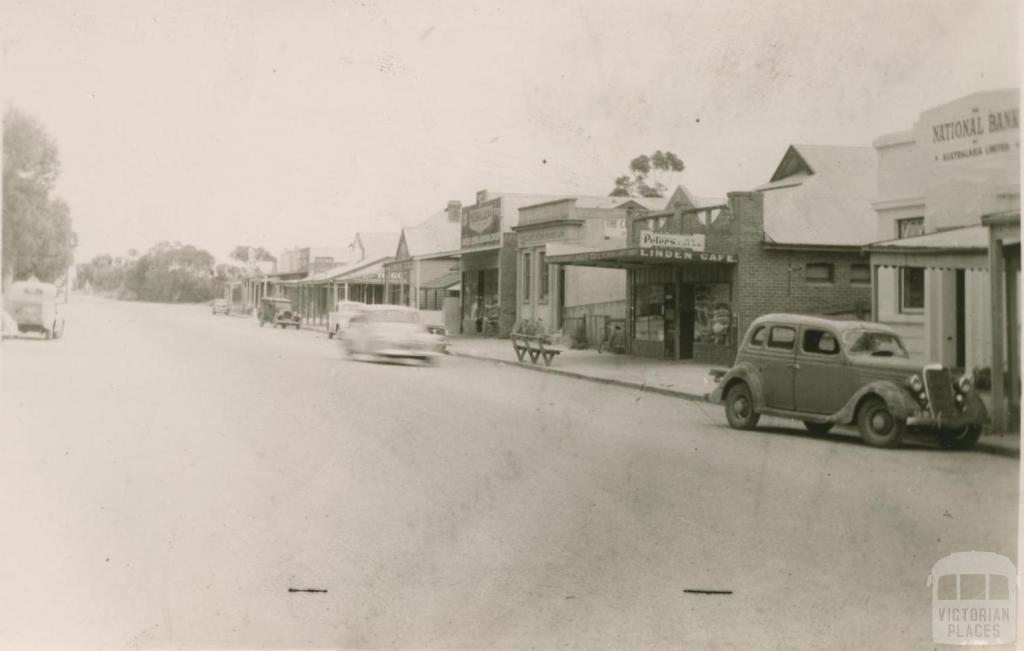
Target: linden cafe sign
x=687, y=242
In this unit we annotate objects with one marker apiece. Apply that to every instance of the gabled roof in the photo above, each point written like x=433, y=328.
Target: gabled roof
x=433, y=235
x=375, y=245
x=821, y=195
x=804, y=160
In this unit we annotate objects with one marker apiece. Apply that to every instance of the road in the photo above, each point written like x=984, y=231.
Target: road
x=170, y=477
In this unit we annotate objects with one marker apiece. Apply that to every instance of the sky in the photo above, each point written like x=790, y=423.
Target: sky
x=299, y=123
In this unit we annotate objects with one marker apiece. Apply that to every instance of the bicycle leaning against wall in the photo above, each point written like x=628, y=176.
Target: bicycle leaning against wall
x=614, y=340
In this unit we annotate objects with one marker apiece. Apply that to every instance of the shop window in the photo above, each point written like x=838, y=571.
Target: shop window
x=860, y=274
x=911, y=289
x=545, y=276
x=650, y=304
x=818, y=272
x=820, y=342
x=781, y=337
x=909, y=227
x=713, y=314
x=526, y=275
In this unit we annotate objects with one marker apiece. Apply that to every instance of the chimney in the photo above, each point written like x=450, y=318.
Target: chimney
x=454, y=212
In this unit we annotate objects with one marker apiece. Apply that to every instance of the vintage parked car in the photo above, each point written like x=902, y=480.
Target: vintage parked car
x=36, y=306
x=338, y=318
x=392, y=331
x=827, y=372
x=279, y=312
x=220, y=306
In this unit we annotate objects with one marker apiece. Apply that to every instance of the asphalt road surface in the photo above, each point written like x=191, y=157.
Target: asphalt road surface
x=171, y=478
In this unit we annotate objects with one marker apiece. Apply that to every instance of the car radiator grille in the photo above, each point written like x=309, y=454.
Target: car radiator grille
x=940, y=392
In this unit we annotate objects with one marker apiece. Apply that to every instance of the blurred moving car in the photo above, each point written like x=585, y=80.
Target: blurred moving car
x=279, y=312
x=36, y=306
x=827, y=372
x=220, y=306
x=392, y=331
x=442, y=337
x=338, y=318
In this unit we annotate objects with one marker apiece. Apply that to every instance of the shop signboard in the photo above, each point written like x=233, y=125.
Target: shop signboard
x=687, y=241
x=534, y=236
x=481, y=224
x=642, y=255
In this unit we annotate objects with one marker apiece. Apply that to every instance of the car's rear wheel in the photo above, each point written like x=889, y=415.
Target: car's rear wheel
x=959, y=439
x=878, y=427
x=739, y=408
x=818, y=429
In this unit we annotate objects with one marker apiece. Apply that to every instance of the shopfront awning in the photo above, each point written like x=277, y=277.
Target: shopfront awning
x=958, y=248
x=371, y=274
x=446, y=281
x=634, y=258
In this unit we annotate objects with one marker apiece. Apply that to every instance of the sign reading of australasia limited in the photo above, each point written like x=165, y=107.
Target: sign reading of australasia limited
x=689, y=242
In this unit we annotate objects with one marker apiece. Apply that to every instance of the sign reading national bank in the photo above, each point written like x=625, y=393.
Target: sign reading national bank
x=973, y=128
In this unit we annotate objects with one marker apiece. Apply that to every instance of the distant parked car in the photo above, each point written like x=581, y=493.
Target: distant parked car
x=220, y=306
x=827, y=372
x=279, y=312
x=392, y=331
x=338, y=318
x=36, y=306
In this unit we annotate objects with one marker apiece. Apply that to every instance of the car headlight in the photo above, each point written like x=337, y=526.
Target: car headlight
x=915, y=383
x=963, y=385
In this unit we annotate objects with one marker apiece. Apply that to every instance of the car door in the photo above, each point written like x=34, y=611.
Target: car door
x=778, y=366
x=822, y=377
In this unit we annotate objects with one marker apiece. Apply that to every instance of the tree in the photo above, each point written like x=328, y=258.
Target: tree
x=37, y=236
x=241, y=253
x=648, y=173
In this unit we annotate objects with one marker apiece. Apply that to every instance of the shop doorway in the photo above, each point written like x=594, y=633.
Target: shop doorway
x=687, y=316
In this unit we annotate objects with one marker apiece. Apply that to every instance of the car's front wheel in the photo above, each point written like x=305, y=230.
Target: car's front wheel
x=959, y=439
x=739, y=408
x=878, y=427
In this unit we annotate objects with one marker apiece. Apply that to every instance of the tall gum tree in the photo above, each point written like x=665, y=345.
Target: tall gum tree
x=37, y=236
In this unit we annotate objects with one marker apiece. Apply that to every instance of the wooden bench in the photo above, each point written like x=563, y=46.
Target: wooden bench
x=536, y=346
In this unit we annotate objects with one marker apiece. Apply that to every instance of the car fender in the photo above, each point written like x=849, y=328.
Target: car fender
x=900, y=404
x=974, y=408
x=744, y=372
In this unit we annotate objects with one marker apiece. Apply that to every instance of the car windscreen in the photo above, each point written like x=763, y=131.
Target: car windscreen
x=874, y=343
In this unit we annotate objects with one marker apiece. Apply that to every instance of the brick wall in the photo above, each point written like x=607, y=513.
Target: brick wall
x=771, y=280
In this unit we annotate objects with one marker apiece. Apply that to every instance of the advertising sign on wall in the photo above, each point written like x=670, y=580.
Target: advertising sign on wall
x=688, y=241
x=481, y=224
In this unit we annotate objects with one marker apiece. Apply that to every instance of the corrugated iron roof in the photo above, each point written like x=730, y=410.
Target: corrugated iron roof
x=968, y=238
x=828, y=203
x=443, y=282
x=432, y=237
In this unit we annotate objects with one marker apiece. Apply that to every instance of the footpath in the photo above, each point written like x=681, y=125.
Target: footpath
x=686, y=380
